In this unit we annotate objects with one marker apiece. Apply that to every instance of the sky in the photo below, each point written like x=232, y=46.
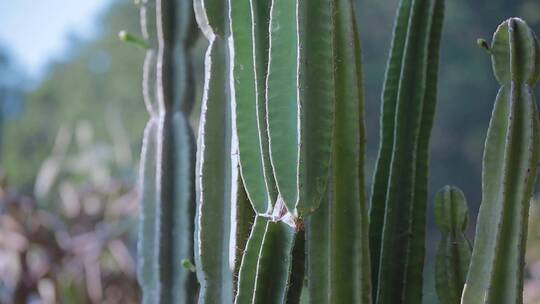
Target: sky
x=36, y=31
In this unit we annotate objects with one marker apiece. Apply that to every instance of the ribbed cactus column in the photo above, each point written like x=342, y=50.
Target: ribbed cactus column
x=399, y=195
x=215, y=160
x=337, y=237
x=300, y=100
x=167, y=160
x=454, y=253
x=509, y=170
x=249, y=28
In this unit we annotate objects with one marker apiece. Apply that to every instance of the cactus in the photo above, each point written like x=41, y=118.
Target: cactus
x=215, y=161
x=281, y=211
x=249, y=20
x=337, y=252
x=399, y=195
x=300, y=100
x=167, y=161
x=509, y=170
x=454, y=253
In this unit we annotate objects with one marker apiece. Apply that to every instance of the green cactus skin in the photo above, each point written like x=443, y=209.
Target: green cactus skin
x=215, y=161
x=454, y=253
x=247, y=275
x=399, y=195
x=298, y=268
x=147, y=272
x=167, y=165
x=509, y=170
x=214, y=181
x=267, y=263
x=244, y=218
x=337, y=250
x=300, y=100
x=249, y=24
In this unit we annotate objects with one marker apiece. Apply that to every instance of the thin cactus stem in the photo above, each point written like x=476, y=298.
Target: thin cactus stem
x=399, y=195
x=454, y=252
x=510, y=162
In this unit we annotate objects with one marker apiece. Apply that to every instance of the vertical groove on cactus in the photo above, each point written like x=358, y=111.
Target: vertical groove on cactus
x=243, y=219
x=300, y=100
x=338, y=253
x=247, y=275
x=454, y=252
x=297, y=275
x=399, y=190
x=509, y=170
x=274, y=263
x=266, y=273
x=167, y=166
x=247, y=60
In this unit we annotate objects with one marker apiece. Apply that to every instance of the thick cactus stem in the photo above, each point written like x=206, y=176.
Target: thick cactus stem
x=167, y=162
x=399, y=195
x=337, y=237
x=249, y=53
x=454, y=253
x=511, y=156
x=216, y=161
x=300, y=100
x=214, y=182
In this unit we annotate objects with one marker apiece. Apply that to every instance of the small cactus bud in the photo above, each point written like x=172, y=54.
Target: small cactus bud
x=129, y=38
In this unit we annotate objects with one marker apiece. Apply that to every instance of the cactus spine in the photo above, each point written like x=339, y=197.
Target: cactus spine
x=399, y=195
x=454, y=253
x=509, y=170
x=167, y=180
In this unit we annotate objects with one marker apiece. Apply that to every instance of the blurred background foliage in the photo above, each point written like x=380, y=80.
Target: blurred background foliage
x=69, y=149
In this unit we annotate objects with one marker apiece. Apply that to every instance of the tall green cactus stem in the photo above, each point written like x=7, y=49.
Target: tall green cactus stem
x=337, y=236
x=509, y=170
x=215, y=162
x=167, y=162
x=249, y=26
x=399, y=195
x=300, y=100
x=454, y=253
